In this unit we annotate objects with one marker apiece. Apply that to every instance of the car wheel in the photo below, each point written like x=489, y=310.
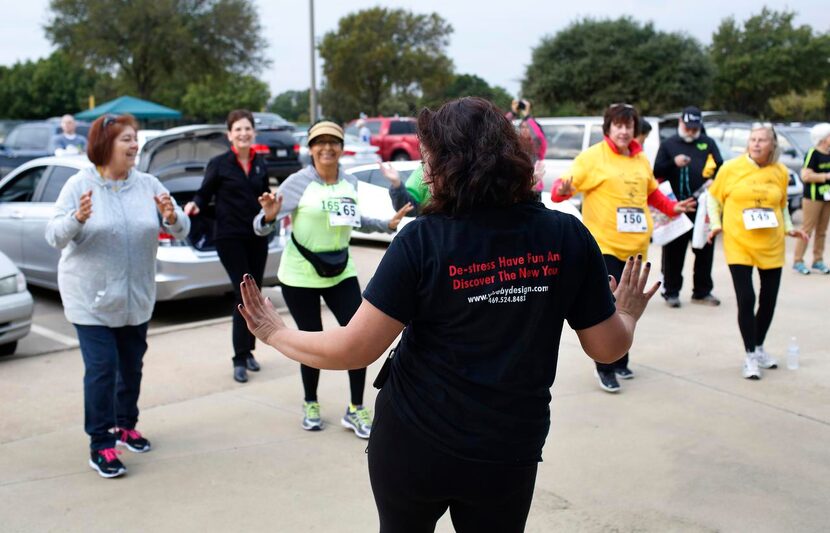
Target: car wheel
x=8, y=348
x=400, y=156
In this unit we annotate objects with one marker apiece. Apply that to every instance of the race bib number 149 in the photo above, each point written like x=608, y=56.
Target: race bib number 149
x=760, y=218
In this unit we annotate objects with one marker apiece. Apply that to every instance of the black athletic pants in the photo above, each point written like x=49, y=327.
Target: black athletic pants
x=304, y=304
x=754, y=325
x=614, y=267
x=242, y=256
x=415, y=483
x=674, y=255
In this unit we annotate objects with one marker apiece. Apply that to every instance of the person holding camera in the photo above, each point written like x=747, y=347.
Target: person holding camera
x=324, y=207
x=688, y=160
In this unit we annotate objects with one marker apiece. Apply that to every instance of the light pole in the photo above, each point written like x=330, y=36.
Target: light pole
x=312, y=92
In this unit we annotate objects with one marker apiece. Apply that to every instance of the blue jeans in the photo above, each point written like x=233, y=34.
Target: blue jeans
x=112, y=379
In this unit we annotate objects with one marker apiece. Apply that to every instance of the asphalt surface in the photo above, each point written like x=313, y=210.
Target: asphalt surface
x=686, y=446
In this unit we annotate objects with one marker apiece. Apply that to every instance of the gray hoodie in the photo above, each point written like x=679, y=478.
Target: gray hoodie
x=107, y=270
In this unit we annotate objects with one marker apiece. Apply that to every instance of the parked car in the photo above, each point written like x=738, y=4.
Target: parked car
x=272, y=121
x=355, y=153
x=30, y=140
x=183, y=268
x=568, y=136
x=373, y=194
x=7, y=125
x=16, y=306
x=396, y=137
x=733, y=137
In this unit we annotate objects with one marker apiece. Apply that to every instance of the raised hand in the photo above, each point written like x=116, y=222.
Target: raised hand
x=391, y=174
x=402, y=212
x=685, y=206
x=191, y=209
x=84, y=210
x=271, y=205
x=166, y=208
x=258, y=311
x=566, y=187
x=629, y=292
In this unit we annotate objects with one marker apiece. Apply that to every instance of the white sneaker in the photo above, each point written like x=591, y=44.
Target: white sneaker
x=751, y=370
x=763, y=358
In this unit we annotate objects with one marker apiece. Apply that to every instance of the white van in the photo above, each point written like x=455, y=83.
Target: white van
x=568, y=136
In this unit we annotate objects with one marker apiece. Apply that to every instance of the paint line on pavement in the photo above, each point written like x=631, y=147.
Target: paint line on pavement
x=55, y=336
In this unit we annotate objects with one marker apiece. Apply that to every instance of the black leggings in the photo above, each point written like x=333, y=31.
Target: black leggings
x=242, y=256
x=415, y=483
x=614, y=267
x=304, y=304
x=754, y=325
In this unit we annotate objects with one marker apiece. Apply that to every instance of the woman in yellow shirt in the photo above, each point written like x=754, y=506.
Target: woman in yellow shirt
x=616, y=179
x=748, y=203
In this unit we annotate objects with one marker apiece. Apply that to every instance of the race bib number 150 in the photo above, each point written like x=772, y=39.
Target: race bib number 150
x=631, y=220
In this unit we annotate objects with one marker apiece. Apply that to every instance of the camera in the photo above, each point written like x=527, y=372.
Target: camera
x=522, y=105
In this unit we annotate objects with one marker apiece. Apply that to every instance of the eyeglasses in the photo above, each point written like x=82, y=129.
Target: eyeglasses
x=324, y=143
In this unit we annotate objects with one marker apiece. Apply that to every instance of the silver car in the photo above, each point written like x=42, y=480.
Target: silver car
x=355, y=152
x=184, y=269
x=15, y=306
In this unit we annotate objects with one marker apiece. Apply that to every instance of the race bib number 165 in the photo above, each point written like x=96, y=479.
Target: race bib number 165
x=342, y=212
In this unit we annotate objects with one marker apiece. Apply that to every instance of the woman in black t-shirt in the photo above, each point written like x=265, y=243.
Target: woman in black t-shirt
x=816, y=203
x=237, y=181
x=480, y=285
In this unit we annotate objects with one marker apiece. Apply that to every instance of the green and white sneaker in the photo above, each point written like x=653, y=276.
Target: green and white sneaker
x=311, y=416
x=359, y=420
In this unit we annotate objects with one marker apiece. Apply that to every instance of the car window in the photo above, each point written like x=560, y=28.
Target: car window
x=737, y=140
x=29, y=138
x=564, y=140
x=22, y=187
x=374, y=126
x=715, y=132
x=55, y=182
x=401, y=127
x=596, y=134
x=784, y=143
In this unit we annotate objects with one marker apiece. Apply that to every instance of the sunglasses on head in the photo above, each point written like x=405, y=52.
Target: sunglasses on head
x=108, y=120
x=626, y=106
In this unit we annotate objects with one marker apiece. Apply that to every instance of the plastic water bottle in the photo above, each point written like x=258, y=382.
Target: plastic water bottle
x=792, y=354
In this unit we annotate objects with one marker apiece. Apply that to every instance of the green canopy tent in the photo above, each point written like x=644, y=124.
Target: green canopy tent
x=140, y=109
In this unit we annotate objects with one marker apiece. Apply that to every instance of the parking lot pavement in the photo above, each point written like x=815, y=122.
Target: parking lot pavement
x=686, y=446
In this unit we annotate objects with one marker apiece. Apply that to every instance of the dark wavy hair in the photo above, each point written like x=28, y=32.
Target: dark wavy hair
x=473, y=156
x=620, y=114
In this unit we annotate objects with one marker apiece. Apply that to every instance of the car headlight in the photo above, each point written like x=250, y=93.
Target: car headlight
x=12, y=284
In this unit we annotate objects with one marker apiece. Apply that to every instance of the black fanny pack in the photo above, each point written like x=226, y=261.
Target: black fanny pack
x=327, y=264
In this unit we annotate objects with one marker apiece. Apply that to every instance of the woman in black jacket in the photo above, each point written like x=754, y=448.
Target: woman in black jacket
x=237, y=181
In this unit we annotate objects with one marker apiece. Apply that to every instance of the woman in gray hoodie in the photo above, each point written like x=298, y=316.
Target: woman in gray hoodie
x=106, y=222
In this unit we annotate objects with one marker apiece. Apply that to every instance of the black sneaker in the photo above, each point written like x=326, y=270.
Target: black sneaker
x=106, y=462
x=624, y=373
x=132, y=439
x=608, y=381
x=252, y=364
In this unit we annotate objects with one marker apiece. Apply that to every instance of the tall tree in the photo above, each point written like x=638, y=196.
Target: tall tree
x=593, y=63
x=214, y=97
x=383, y=59
x=148, y=43
x=291, y=105
x=45, y=88
x=461, y=85
x=765, y=58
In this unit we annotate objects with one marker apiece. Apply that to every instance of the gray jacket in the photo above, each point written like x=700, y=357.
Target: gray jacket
x=107, y=270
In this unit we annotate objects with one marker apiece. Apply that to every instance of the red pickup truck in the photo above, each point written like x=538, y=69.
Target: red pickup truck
x=395, y=137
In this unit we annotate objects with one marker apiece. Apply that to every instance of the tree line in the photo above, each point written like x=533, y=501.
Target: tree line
x=204, y=57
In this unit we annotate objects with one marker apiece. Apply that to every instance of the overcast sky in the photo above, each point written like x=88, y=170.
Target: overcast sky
x=492, y=39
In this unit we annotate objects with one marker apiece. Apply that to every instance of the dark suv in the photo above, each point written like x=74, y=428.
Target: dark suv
x=30, y=140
